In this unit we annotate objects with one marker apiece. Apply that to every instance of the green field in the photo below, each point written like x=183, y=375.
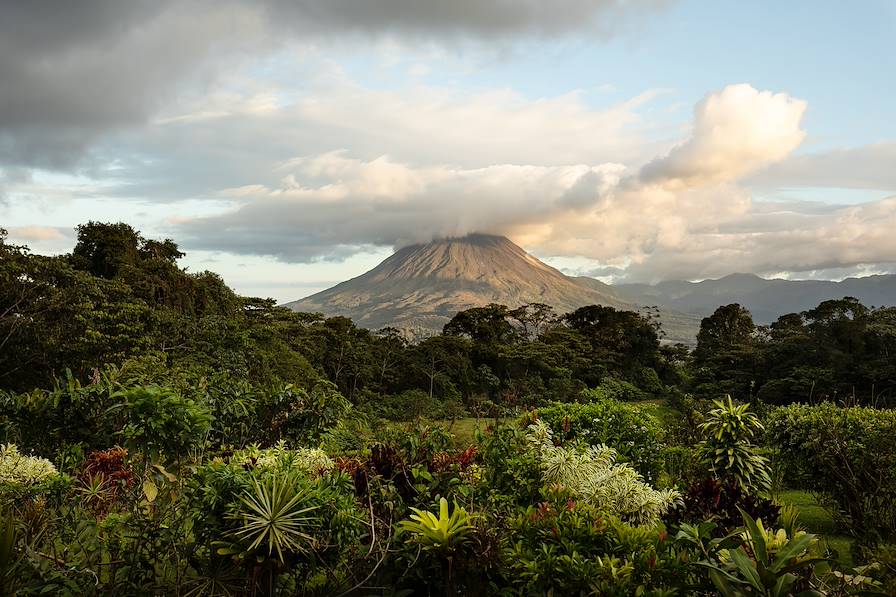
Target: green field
x=464, y=430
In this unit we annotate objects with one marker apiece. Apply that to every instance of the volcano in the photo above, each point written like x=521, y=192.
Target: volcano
x=420, y=287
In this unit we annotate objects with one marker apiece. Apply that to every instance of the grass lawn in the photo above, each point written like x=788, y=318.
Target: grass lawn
x=464, y=430
x=660, y=410
x=817, y=520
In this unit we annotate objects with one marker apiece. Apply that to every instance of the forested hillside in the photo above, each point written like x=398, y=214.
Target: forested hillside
x=164, y=435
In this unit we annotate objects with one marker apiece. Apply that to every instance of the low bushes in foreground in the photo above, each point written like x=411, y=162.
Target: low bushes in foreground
x=327, y=501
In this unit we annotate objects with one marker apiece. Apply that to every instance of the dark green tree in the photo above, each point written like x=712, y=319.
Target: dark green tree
x=484, y=325
x=104, y=250
x=442, y=363
x=622, y=342
x=727, y=359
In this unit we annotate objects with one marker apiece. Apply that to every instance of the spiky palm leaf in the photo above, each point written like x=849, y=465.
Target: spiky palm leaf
x=277, y=516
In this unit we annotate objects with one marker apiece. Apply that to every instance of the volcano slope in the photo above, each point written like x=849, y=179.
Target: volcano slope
x=420, y=287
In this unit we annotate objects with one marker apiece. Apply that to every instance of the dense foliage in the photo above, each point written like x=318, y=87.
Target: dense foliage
x=160, y=434
x=839, y=351
x=848, y=455
x=632, y=433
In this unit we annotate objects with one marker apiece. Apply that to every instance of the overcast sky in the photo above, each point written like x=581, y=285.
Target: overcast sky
x=291, y=144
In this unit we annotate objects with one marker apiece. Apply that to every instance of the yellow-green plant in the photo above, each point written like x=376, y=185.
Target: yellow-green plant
x=727, y=447
x=20, y=470
x=312, y=461
x=443, y=532
x=594, y=477
x=440, y=534
x=768, y=563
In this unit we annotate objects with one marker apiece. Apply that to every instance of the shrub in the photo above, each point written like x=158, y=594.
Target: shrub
x=727, y=447
x=847, y=455
x=348, y=436
x=23, y=471
x=512, y=468
x=721, y=503
x=406, y=406
x=311, y=461
x=105, y=476
x=159, y=421
x=394, y=452
x=618, y=389
x=299, y=416
x=415, y=443
x=233, y=403
x=681, y=465
x=648, y=380
x=593, y=476
x=273, y=520
x=566, y=547
x=411, y=405
x=70, y=413
x=632, y=433
x=884, y=557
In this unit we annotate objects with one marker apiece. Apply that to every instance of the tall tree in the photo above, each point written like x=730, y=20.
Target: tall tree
x=443, y=362
x=533, y=319
x=487, y=325
x=729, y=327
x=105, y=250
x=623, y=342
x=726, y=358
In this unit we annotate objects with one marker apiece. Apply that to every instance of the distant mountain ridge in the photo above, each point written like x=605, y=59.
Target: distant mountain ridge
x=420, y=287
x=767, y=299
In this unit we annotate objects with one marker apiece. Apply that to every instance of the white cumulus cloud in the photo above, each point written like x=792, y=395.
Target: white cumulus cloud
x=736, y=131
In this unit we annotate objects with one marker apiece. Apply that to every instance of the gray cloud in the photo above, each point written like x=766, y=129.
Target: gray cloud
x=867, y=167
x=462, y=18
x=72, y=71
x=11, y=176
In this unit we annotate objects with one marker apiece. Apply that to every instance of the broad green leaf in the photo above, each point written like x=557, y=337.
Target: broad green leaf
x=150, y=490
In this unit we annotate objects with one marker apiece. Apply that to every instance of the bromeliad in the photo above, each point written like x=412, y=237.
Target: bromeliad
x=443, y=532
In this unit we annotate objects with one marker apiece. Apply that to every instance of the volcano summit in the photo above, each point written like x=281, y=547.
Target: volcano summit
x=420, y=287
